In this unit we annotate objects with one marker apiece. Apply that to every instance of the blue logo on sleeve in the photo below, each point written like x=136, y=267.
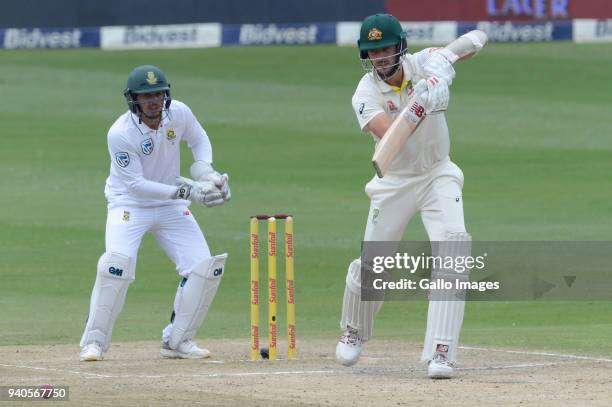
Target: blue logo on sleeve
x=122, y=158
x=147, y=146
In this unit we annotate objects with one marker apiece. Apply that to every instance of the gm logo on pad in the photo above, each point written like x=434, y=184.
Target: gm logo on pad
x=115, y=271
x=218, y=272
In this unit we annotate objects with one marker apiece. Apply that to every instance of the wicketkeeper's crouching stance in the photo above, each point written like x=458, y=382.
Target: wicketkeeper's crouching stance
x=420, y=178
x=146, y=194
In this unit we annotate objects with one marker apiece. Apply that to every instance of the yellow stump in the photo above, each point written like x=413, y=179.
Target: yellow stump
x=272, y=289
x=290, y=284
x=254, y=289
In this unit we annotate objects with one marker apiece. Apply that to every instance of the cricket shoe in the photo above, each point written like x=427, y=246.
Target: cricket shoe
x=349, y=347
x=186, y=350
x=440, y=367
x=91, y=352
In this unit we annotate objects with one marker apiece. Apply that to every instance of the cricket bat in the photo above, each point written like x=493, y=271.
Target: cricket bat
x=412, y=116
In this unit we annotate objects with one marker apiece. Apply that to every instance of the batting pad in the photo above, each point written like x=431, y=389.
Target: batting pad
x=446, y=307
x=356, y=313
x=115, y=274
x=197, y=295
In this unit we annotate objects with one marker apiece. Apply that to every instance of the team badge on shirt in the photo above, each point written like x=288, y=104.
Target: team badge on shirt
x=391, y=106
x=170, y=135
x=147, y=146
x=126, y=216
x=122, y=158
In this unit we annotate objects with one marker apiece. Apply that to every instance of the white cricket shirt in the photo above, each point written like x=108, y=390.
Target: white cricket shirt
x=145, y=162
x=430, y=143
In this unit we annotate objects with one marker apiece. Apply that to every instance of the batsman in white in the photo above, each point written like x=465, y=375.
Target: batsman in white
x=422, y=178
x=145, y=193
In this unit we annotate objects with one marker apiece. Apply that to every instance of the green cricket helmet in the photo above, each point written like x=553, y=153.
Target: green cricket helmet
x=146, y=79
x=380, y=31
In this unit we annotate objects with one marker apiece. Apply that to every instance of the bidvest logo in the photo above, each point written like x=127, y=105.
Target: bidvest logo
x=160, y=35
x=517, y=32
x=253, y=34
x=603, y=29
x=37, y=38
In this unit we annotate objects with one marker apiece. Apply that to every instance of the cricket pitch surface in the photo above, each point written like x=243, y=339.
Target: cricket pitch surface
x=388, y=374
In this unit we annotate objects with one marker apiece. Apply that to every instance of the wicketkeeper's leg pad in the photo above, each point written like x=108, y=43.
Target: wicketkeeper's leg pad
x=116, y=272
x=195, y=299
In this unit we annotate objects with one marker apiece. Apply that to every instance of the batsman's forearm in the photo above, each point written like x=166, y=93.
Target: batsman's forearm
x=466, y=46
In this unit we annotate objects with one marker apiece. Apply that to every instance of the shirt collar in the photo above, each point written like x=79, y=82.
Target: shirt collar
x=406, y=82
x=399, y=89
x=143, y=128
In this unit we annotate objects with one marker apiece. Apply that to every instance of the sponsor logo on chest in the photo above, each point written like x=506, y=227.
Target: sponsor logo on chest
x=391, y=107
x=147, y=146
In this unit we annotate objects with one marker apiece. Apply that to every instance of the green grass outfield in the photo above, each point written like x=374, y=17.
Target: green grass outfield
x=530, y=127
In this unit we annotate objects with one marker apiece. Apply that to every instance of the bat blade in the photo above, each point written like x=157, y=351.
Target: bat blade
x=396, y=135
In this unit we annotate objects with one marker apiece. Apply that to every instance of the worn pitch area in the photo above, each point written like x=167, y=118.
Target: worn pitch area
x=389, y=373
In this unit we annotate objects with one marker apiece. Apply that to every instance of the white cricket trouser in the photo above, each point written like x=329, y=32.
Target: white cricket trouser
x=173, y=226
x=436, y=194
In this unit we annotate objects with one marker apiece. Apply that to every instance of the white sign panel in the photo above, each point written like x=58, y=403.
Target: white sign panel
x=418, y=33
x=161, y=36
x=592, y=30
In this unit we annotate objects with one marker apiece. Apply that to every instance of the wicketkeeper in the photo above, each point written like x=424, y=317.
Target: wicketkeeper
x=145, y=193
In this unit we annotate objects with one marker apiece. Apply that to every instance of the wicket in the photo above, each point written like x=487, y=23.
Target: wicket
x=272, y=286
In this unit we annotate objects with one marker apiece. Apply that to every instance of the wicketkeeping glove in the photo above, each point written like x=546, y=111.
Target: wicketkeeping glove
x=205, y=193
x=203, y=171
